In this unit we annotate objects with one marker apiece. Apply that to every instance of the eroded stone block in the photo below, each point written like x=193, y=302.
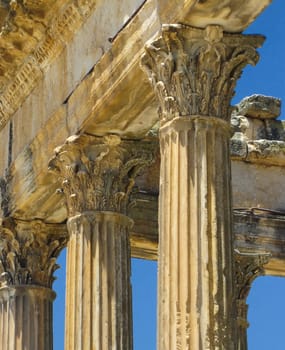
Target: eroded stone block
x=260, y=106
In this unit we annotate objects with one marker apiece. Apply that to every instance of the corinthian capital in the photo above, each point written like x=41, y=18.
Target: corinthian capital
x=194, y=71
x=98, y=173
x=248, y=267
x=28, y=252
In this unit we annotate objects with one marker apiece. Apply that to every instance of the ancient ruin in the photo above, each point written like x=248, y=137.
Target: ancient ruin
x=118, y=139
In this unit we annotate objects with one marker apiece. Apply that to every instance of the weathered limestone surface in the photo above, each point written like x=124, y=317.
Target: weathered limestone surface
x=98, y=292
x=28, y=252
x=258, y=153
x=82, y=43
x=195, y=244
x=259, y=106
x=98, y=176
x=193, y=73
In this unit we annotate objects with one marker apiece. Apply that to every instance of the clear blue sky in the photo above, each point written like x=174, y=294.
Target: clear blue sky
x=266, y=300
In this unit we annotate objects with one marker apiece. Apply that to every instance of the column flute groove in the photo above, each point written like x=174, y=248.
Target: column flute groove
x=193, y=73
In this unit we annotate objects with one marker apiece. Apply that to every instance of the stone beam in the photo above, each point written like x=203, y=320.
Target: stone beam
x=256, y=230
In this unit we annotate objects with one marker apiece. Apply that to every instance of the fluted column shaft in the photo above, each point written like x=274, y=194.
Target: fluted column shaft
x=26, y=318
x=98, y=291
x=195, y=251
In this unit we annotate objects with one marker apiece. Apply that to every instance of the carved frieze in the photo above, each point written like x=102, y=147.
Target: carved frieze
x=194, y=71
x=28, y=252
x=32, y=34
x=99, y=173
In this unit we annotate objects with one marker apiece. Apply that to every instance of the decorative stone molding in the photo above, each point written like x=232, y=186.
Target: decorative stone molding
x=25, y=59
x=98, y=173
x=28, y=252
x=194, y=71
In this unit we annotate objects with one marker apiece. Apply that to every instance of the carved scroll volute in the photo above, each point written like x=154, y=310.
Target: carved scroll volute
x=194, y=71
x=28, y=252
x=98, y=173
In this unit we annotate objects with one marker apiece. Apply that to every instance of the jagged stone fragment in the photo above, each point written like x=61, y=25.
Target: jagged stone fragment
x=260, y=106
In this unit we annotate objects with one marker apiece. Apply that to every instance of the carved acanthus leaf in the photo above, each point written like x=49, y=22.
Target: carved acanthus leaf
x=28, y=252
x=99, y=173
x=194, y=71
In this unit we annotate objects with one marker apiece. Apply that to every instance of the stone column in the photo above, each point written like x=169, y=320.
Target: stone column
x=28, y=252
x=248, y=267
x=193, y=72
x=98, y=175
